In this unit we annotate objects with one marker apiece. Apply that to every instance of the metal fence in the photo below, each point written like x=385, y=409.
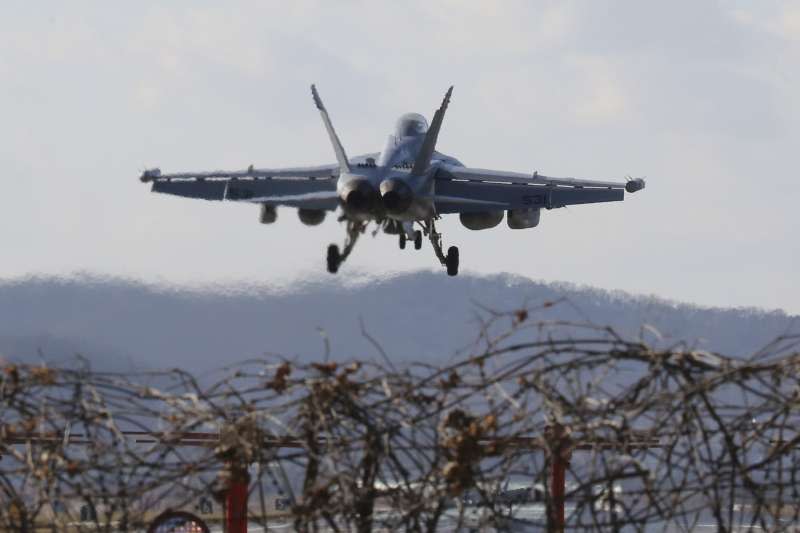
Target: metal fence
x=668, y=438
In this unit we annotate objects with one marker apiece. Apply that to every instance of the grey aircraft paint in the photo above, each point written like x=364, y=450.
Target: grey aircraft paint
x=407, y=183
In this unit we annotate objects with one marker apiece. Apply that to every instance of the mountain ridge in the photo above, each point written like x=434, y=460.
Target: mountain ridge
x=125, y=322
x=355, y=280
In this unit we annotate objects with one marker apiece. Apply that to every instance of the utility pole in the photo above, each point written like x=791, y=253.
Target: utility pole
x=559, y=447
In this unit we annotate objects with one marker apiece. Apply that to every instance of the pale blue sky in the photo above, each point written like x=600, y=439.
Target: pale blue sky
x=701, y=97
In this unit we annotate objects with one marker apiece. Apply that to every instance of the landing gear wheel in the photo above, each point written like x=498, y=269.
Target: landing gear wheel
x=334, y=258
x=452, y=261
x=402, y=240
x=417, y=240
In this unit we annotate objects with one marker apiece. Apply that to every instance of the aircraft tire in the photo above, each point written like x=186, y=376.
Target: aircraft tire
x=333, y=258
x=402, y=239
x=452, y=261
x=418, y=240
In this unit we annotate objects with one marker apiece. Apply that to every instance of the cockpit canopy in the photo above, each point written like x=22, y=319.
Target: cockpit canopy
x=411, y=125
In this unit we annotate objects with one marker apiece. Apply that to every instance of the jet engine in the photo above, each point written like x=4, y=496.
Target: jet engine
x=523, y=218
x=396, y=195
x=268, y=214
x=481, y=220
x=311, y=217
x=358, y=195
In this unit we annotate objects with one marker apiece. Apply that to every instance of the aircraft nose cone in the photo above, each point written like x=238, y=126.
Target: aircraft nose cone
x=396, y=195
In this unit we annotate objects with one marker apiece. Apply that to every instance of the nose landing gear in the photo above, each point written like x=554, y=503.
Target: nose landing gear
x=403, y=238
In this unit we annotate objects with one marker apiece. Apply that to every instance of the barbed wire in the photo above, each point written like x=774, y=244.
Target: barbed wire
x=655, y=437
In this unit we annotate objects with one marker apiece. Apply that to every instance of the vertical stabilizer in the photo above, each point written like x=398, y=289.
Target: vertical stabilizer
x=429, y=144
x=341, y=156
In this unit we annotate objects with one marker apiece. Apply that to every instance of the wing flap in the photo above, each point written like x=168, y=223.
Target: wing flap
x=201, y=190
x=308, y=187
x=317, y=193
x=309, y=194
x=497, y=176
x=460, y=196
x=322, y=171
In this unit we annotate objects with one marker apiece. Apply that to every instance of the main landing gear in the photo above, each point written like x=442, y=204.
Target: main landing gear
x=335, y=258
x=449, y=261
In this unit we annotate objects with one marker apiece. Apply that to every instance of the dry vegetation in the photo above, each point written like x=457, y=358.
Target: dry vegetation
x=658, y=436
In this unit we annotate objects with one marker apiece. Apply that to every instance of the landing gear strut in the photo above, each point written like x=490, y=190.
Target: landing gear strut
x=449, y=261
x=335, y=258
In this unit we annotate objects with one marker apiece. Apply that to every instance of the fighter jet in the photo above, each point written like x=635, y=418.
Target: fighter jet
x=403, y=190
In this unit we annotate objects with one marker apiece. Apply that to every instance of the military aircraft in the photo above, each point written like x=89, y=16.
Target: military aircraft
x=408, y=185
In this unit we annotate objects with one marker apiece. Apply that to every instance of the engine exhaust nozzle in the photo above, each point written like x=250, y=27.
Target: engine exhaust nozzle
x=396, y=195
x=358, y=195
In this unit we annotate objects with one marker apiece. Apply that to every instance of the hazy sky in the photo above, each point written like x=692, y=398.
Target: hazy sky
x=700, y=97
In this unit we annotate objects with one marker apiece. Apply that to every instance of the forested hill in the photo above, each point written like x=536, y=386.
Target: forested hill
x=124, y=324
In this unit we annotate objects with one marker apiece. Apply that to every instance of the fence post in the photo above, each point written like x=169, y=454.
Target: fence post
x=236, y=498
x=560, y=450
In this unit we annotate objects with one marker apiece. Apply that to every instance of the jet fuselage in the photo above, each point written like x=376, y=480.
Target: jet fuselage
x=386, y=187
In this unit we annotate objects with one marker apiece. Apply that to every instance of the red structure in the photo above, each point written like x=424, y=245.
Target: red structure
x=557, y=444
x=560, y=448
x=236, y=498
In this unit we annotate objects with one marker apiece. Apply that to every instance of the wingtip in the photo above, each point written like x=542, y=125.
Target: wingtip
x=150, y=175
x=635, y=185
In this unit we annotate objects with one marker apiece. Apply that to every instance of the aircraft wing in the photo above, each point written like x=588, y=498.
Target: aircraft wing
x=463, y=190
x=307, y=187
